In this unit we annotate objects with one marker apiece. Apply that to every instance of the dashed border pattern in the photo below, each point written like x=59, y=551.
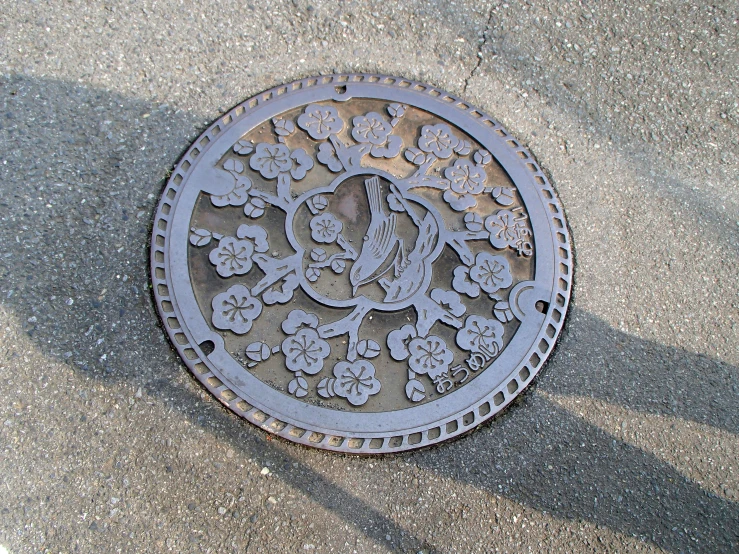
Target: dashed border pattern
x=454, y=426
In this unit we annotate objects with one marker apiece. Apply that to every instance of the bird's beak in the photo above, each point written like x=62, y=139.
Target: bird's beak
x=354, y=290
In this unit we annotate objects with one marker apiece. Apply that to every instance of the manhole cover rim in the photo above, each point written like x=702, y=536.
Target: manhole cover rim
x=472, y=414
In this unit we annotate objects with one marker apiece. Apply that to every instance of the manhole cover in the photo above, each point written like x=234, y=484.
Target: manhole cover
x=361, y=263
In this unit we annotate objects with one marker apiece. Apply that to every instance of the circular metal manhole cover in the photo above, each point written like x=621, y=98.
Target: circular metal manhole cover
x=361, y=263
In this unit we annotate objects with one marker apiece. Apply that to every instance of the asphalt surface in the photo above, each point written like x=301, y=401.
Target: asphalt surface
x=628, y=442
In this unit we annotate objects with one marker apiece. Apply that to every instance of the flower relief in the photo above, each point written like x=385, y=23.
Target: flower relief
x=233, y=256
x=438, y=140
x=465, y=177
x=481, y=335
x=374, y=129
x=235, y=310
x=466, y=181
x=272, y=160
x=305, y=345
x=354, y=381
x=490, y=273
x=508, y=229
x=429, y=355
x=304, y=350
x=320, y=121
x=239, y=194
x=325, y=228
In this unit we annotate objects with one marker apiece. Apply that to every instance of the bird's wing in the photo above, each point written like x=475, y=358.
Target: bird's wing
x=383, y=238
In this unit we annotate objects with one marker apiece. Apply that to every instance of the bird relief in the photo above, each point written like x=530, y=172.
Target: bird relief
x=367, y=240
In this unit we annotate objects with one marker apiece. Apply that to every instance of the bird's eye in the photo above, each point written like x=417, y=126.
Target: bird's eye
x=366, y=237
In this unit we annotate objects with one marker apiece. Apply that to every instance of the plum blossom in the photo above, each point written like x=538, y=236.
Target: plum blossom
x=438, y=140
x=465, y=177
x=232, y=256
x=305, y=351
x=235, y=310
x=320, y=121
x=504, y=229
x=491, y=272
x=398, y=341
x=429, y=355
x=372, y=128
x=355, y=381
x=271, y=160
x=325, y=228
x=480, y=334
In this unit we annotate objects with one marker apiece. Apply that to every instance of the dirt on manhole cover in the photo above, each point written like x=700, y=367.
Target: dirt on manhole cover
x=361, y=263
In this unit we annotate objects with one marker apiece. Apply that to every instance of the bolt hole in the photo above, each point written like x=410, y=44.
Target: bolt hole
x=207, y=346
x=542, y=306
x=340, y=89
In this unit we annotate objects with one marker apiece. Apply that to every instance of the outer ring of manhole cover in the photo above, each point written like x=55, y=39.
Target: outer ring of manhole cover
x=361, y=263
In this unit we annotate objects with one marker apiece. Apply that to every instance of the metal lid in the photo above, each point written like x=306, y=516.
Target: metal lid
x=361, y=263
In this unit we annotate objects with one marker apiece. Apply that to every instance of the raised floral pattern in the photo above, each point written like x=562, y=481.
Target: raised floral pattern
x=355, y=381
x=491, y=272
x=232, y=256
x=452, y=175
x=320, y=121
x=372, y=128
x=235, y=310
x=438, y=140
x=465, y=177
x=506, y=229
x=305, y=351
x=270, y=160
x=480, y=334
x=429, y=355
x=325, y=228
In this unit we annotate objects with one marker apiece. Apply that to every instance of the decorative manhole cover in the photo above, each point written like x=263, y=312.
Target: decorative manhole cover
x=361, y=263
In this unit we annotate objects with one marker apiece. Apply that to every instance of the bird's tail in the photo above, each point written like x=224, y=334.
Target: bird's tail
x=374, y=195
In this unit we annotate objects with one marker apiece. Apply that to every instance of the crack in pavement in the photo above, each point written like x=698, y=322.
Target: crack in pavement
x=485, y=32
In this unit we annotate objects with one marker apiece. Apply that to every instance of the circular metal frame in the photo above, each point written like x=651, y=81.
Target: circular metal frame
x=433, y=422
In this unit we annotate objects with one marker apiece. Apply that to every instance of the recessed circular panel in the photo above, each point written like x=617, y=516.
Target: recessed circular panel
x=361, y=263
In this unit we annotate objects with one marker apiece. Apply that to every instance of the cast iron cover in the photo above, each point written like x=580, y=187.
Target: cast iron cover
x=361, y=263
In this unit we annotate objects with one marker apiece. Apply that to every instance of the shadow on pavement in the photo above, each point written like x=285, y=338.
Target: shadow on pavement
x=545, y=457
x=76, y=198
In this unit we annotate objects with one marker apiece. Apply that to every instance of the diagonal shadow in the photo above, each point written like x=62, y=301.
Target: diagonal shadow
x=77, y=195
x=643, y=375
x=71, y=195
x=543, y=456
